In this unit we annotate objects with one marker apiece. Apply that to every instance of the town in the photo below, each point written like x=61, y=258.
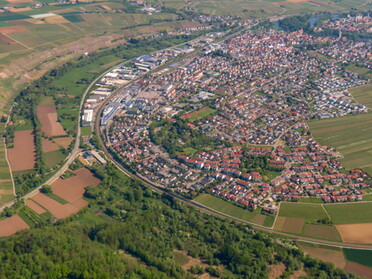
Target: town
x=231, y=119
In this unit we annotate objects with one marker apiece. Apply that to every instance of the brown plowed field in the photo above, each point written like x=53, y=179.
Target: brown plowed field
x=356, y=233
x=49, y=146
x=13, y=29
x=359, y=269
x=72, y=188
x=327, y=255
x=22, y=156
x=6, y=39
x=64, y=142
x=49, y=121
x=35, y=207
x=12, y=225
x=60, y=211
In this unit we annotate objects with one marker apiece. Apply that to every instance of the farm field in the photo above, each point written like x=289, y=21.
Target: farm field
x=356, y=233
x=50, y=126
x=53, y=158
x=60, y=211
x=357, y=150
x=72, y=189
x=353, y=213
x=226, y=207
x=298, y=210
x=335, y=256
x=289, y=224
x=22, y=155
x=48, y=146
x=12, y=225
x=322, y=231
x=363, y=95
x=359, y=269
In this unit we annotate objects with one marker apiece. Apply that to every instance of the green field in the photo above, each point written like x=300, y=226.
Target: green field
x=53, y=158
x=322, y=231
x=360, y=70
x=201, y=114
x=356, y=149
x=363, y=95
x=350, y=213
x=299, y=210
x=226, y=207
x=363, y=257
x=86, y=131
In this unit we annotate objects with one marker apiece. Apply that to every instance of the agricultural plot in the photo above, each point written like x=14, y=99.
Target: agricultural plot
x=356, y=233
x=53, y=158
x=358, y=269
x=226, y=207
x=48, y=146
x=289, y=224
x=356, y=149
x=363, y=257
x=50, y=126
x=12, y=225
x=363, y=95
x=72, y=189
x=350, y=213
x=299, y=210
x=335, y=256
x=60, y=211
x=322, y=231
x=22, y=155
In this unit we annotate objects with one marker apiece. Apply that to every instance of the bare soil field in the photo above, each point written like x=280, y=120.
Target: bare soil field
x=56, y=20
x=13, y=29
x=6, y=39
x=60, y=211
x=35, y=207
x=327, y=255
x=49, y=121
x=12, y=225
x=72, y=188
x=64, y=142
x=49, y=146
x=359, y=269
x=289, y=224
x=22, y=156
x=356, y=233
x=276, y=270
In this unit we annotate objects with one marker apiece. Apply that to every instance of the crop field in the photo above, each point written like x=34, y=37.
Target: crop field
x=72, y=189
x=335, y=256
x=356, y=233
x=356, y=149
x=226, y=207
x=350, y=213
x=50, y=126
x=53, y=158
x=298, y=210
x=363, y=95
x=48, y=146
x=363, y=257
x=12, y=225
x=22, y=155
x=57, y=209
x=64, y=141
x=322, y=231
x=358, y=269
x=289, y=224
